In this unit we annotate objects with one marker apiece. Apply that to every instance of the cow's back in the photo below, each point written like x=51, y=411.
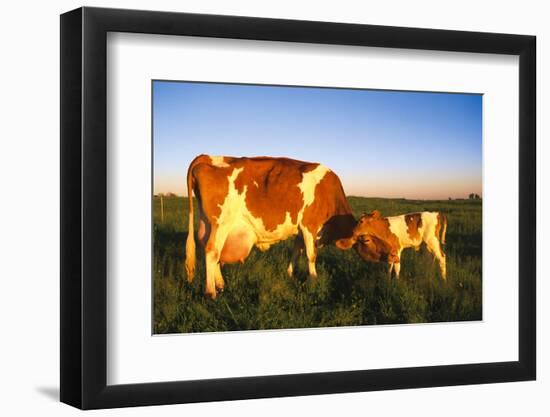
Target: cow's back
x=272, y=188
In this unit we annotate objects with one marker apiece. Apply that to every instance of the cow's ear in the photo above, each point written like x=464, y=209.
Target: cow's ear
x=375, y=214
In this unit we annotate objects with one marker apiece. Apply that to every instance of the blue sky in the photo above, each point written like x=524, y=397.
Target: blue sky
x=380, y=143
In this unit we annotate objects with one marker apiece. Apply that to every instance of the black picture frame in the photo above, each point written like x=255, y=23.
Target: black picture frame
x=84, y=207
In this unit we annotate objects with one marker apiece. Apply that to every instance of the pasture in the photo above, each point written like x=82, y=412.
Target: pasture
x=260, y=295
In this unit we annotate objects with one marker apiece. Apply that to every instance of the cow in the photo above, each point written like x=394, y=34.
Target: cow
x=258, y=201
x=378, y=238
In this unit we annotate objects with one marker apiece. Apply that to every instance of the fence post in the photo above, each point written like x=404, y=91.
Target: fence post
x=161, y=209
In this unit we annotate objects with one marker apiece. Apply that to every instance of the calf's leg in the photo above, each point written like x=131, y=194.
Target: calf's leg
x=397, y=269
x=435, y=247
x=395, y=262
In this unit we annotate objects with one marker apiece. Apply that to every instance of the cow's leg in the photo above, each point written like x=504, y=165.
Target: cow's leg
x=218, y=278
x=212, y=267
x=214, y=246
x=311, y=251
x=218, y=273
x=296, y=252
x=390, y=270
x=435, y=247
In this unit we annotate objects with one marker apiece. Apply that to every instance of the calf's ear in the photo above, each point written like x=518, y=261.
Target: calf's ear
x=344, y=244
x=375, y=214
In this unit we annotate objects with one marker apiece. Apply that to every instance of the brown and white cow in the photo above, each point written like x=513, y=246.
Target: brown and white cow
x=246, y=202
x=378, y=238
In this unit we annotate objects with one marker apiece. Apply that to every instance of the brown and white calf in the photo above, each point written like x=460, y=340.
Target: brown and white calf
x=378, y=238
x=246, y=202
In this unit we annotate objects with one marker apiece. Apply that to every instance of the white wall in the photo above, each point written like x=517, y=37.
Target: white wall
x=29, y=173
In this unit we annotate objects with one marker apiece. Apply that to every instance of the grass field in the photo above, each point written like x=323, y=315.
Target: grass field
x=259, y=295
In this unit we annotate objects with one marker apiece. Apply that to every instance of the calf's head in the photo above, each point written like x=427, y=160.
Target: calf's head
x=372, y=239
x=373, y=249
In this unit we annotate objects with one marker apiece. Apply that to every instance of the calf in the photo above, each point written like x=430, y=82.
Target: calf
x=378, y=238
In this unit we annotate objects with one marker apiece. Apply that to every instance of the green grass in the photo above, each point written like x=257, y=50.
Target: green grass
x=259, y=295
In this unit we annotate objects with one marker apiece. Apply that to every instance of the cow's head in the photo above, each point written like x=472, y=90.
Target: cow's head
x=372, y=239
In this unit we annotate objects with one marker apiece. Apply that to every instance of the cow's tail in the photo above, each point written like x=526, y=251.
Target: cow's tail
x=190, y=244
x=444, y=227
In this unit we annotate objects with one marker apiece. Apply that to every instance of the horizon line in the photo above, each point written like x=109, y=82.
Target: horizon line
x=171, y=194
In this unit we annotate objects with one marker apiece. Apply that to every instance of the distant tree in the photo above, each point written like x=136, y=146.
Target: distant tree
x=471, y=196
x=450, y=198
x=477, y=197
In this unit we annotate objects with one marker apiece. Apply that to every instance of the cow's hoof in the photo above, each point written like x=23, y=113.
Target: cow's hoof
x=210, y=295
